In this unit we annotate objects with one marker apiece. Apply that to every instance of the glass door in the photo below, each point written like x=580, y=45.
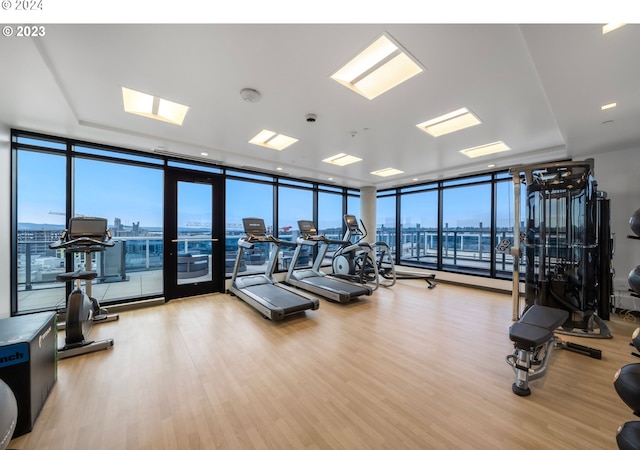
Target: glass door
x=193, y=233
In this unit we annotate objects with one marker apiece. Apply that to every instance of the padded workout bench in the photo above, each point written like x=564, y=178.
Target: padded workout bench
x=533, y=340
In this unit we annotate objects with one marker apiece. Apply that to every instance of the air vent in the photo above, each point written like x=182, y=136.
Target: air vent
x=187, y=157
x=279, y=173
x=316, y=180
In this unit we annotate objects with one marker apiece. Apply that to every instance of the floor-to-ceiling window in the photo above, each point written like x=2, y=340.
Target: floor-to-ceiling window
x=295, y=203
x=330, y=219
x=353, y=203
x=466, y=225
x=245, y=198
x=419, y=224
x=504, y=223
x=449, y=225
x=58, y=178
x=40, y=186
x=130, y=198
x=454, y=225
x=386, y=220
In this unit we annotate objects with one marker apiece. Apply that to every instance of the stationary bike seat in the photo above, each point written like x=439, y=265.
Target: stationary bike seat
x=77, y=275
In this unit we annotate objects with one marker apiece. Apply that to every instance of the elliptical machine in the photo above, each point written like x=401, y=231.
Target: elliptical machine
x=84, y=235
x=363, y=262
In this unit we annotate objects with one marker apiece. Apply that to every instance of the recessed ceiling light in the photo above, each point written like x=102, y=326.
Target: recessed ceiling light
x=378, y=68
x=415, y=179
x=491, y=165
x=608, y=28
x=204, y=154
x=272, y=140
x=486, y=149
x=146, y=105
x=330, y=178
x=341, y=159
x=387, y=172
x=450, y=122
x=608, y=106
x=278, y=168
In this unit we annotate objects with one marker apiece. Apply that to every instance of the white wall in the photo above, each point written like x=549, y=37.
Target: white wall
x=5, y=221
x=618, y=174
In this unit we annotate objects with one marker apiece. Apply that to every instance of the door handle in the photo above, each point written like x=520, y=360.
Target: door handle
x=194, y=240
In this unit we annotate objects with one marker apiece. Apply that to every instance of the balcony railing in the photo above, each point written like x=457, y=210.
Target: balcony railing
x=142, y=258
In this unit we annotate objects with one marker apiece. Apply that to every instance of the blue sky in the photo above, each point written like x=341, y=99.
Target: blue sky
x=135, y=194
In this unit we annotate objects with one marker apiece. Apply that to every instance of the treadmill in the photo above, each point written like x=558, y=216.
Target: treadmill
x=313, y=279
x=272, y=299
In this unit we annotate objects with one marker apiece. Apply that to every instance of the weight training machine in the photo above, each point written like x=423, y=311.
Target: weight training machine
x=567, y=249
x=567, y=245
x=85, y=235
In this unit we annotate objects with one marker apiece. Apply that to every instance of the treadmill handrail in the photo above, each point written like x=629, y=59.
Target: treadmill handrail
x=323, y=238
x=266, y=238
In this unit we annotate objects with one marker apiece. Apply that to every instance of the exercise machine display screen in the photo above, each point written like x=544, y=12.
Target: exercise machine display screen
x=351, y=221
x=254, y=226
x=306, y=227
x=91, y=227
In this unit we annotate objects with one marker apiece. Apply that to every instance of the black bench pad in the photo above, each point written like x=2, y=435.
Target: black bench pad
x=544, y=317
x=529, y=336
x=536, y=326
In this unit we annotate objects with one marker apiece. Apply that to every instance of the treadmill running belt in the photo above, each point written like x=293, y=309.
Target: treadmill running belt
x=337, y=286
x=278, y=297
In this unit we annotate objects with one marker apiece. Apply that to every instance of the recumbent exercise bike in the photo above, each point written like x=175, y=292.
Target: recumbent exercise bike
x=84, y=235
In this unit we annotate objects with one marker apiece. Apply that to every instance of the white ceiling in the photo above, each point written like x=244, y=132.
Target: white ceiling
x=539, y=88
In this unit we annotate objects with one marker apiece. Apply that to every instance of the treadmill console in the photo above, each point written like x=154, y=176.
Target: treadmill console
x=307, y=228
x=254, y=226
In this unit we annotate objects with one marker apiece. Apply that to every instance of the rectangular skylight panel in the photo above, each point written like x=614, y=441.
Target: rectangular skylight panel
x=608, y=28
x=395, y=71
x=280, y=142
x=146, y=105
x=370, y=57
x=387, y=172
x=380, y=67
x=483, y=150
x=262, y=137
x=272, y=140
x=448, y=123
x=171, y=111
x=136, y=102
x=342, y=159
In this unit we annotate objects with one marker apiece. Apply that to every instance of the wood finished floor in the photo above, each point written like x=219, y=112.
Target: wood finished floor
x=407, y=368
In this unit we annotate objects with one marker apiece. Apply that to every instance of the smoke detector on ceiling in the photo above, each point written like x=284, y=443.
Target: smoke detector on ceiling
x=250, y=95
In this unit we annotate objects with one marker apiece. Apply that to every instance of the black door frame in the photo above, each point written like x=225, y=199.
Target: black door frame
x=172, y=289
